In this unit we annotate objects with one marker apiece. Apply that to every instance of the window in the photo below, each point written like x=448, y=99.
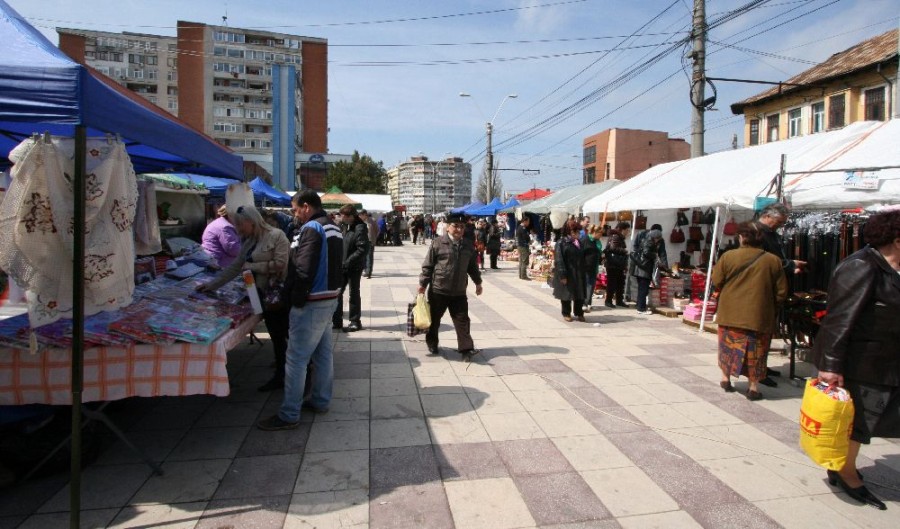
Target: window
x=115, y=56
x=818, y=117
x=754, y=132
x=590, y=154
x=173, y=47
x=235, y=53
x=875, y=104
x=89, y=55
x=172, y=75
x=225, y=127
x=772, y=128
x=836, y=111
x=172, y=90
x=152, y=73
x=607, y=171
x=227, y=36
x=590, y=175
x=152, y=99
x=173, y=104
x=219, y=51
x=794, y=122
x=152, y=60
x=172, y=62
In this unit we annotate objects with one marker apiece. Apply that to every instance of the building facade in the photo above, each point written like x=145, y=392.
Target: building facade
x=857, y=84
x=220, y=80
x=424, y=186
x=619, y=154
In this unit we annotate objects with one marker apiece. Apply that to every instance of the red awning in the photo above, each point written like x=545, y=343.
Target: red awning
x=534, y=194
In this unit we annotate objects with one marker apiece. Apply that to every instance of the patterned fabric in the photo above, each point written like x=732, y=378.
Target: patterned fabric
x=37, y=227
x=743, y=352
x=113, y=373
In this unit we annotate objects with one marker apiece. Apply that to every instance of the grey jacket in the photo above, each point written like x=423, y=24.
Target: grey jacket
x=446, y=270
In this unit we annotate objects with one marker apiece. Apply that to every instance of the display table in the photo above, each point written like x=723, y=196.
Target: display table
x=113, y=373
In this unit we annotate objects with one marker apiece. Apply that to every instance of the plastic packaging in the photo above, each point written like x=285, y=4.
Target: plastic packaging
x=252, y=293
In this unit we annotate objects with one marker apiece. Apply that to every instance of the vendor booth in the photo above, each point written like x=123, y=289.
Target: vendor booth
x=49, y=107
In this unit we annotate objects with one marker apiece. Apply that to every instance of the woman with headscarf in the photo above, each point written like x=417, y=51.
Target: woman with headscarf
x=856, y=346
x=220, y=240
x=568, y=271
x=264, y=251
x=615, y=259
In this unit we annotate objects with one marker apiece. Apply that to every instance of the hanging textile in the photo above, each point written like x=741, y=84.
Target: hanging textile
x=37, y=226
x=147, y=240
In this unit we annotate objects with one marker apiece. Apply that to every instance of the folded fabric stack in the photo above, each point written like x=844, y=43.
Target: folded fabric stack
x=134, y=323
x=694, y=311
x=56, y=334
x=96, y=329
x=189, y=327
x=14, y=332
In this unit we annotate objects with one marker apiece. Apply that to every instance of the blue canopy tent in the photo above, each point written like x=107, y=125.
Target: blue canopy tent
x=464, y=209
x=215, y=186
x=491, y=208
x=43, y=90
x=263, y=192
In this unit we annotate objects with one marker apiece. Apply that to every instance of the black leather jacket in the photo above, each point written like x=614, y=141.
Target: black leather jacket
x=860, y=335
x=356, y=246
x=447, y=270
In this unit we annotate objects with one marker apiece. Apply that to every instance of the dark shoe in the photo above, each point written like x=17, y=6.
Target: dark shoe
x=337, y=327
x=772, y=373
x=434, y=350
x=315, y=409
x=610, y=305
x=860, y=494
x=274, y=423
x=754, y=395
x=580, y=318
x=621, y=304
x=769, y=382
x=727, y=386
x=567, y=318
x=275, y=383
x=495, y=268
x=468, y=354
x=353, y=327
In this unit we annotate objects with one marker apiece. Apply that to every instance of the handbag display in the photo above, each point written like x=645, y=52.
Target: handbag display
x=695, y=233
x=696, y=216
x=730, y=227
x=640, y=222
x=709, y=217
x=709, y=235
x=624, y=216
x=677, y=235
x=693, y=245
x=682, y=219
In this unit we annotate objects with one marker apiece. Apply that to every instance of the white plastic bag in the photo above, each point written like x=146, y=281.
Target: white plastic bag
x=422, y=313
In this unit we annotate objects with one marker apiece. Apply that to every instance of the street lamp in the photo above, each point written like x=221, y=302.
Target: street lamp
x=489, y=155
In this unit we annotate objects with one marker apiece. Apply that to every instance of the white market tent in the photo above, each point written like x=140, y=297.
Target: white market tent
x=735, y=178
x=570, y=200
x=373, y=203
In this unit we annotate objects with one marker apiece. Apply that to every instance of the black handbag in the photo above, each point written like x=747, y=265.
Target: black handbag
x=682, y=219
x=275, y=297
x=709, y=217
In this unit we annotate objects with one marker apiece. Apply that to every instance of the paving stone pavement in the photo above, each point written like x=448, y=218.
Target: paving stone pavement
x=614, y=423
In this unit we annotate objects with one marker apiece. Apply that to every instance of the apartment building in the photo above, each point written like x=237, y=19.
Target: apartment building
x=857, y=84
x=219, y=79
x=424, y=186
x=619, y=154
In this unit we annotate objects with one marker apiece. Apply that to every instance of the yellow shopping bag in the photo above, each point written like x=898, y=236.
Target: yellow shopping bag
x=421, y=313
x=825, y=424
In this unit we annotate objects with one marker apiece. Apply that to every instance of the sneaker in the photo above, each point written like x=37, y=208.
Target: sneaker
x=275, y=423
x=645, y=312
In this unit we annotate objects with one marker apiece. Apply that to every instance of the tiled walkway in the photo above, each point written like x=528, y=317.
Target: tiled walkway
x=617, y=422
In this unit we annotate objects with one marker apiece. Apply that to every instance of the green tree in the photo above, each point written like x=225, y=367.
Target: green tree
x=361, y=174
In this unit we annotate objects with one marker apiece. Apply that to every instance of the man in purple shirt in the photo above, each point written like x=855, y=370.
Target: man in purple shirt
x=220, y=239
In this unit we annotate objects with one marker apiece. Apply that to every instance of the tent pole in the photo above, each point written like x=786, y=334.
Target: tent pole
x=77, y=325
x=709, y=267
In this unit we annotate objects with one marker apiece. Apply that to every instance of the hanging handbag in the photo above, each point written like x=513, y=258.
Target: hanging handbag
x=604, y=232
x=696, y=216
x=682, y=219
x=640, y=222
x=730, y=227
x=709, y=235
x=709, y=217
x=693, y=245
x=677, y=236
x=624, y=216
x=695, y=233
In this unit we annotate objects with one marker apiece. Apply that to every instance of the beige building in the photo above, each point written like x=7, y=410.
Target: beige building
x=619, y=154
x=424, y=186
x=857, y=84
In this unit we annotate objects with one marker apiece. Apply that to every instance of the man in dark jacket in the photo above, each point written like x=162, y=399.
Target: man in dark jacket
x=356, y=251
x=395, y=230
x=314, y=281
x=645, y=258
x=449, y=263
x=523, y=242
x=494, y=242
x=373, y=240
x=615, y=257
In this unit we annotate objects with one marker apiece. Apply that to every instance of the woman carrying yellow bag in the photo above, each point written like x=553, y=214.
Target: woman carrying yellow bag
x=857, y=345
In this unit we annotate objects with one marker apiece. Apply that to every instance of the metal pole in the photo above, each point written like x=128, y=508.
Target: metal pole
x=698, y=78
x=77, y=325
x=433, y=189
x=489, y=161
x=779, y=180
x=709, y=267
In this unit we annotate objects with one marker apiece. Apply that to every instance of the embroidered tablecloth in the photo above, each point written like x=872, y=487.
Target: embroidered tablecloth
x=113, y=373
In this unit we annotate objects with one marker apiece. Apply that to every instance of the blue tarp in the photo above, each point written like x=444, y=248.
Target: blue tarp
x=488, y=209
x=464, y=209
x=43, y=90
x=263, y=192
x=511, y=203
x=216, y=186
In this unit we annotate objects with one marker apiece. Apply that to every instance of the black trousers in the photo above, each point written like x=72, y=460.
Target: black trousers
x=277, y=323
x=643, y=291
x=352, y=279
x=459, y=313
x=615, y=285
x=567, y=307
x=494, y=259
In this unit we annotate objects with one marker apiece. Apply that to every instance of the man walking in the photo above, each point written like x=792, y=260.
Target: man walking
x=314, y=281
x=449, y=263
x=523, y=242
x=356, y=250
x=373, y=238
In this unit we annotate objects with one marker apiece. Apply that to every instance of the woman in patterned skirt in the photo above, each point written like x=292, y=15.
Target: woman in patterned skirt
x=751, y=285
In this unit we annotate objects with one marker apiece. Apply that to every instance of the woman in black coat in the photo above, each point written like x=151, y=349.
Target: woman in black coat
x=568, y=270
x=856, y=346
x=494, y=234
x=615, y=258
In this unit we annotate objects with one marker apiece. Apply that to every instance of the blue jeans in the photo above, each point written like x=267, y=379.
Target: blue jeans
x=642, y=293
x=589, y=282
x=309, y=340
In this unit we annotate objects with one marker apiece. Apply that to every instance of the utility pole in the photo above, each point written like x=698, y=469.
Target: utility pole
x=698, y=78
x=489, y=162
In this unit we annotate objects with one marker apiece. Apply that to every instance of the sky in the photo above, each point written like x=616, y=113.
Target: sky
x=578, y=67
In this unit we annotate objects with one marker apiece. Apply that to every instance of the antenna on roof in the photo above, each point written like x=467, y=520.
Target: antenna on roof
x=225, y=16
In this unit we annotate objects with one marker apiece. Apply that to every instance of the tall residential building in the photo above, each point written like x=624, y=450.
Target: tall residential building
x=857, y=84
x=424, y=186
x=619, y=154
x=219, y=79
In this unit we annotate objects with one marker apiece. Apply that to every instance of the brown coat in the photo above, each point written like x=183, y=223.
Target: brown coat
x=749, y=300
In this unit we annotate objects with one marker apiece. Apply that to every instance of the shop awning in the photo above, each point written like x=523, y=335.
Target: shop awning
x=569, y=200
x=263, y=192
